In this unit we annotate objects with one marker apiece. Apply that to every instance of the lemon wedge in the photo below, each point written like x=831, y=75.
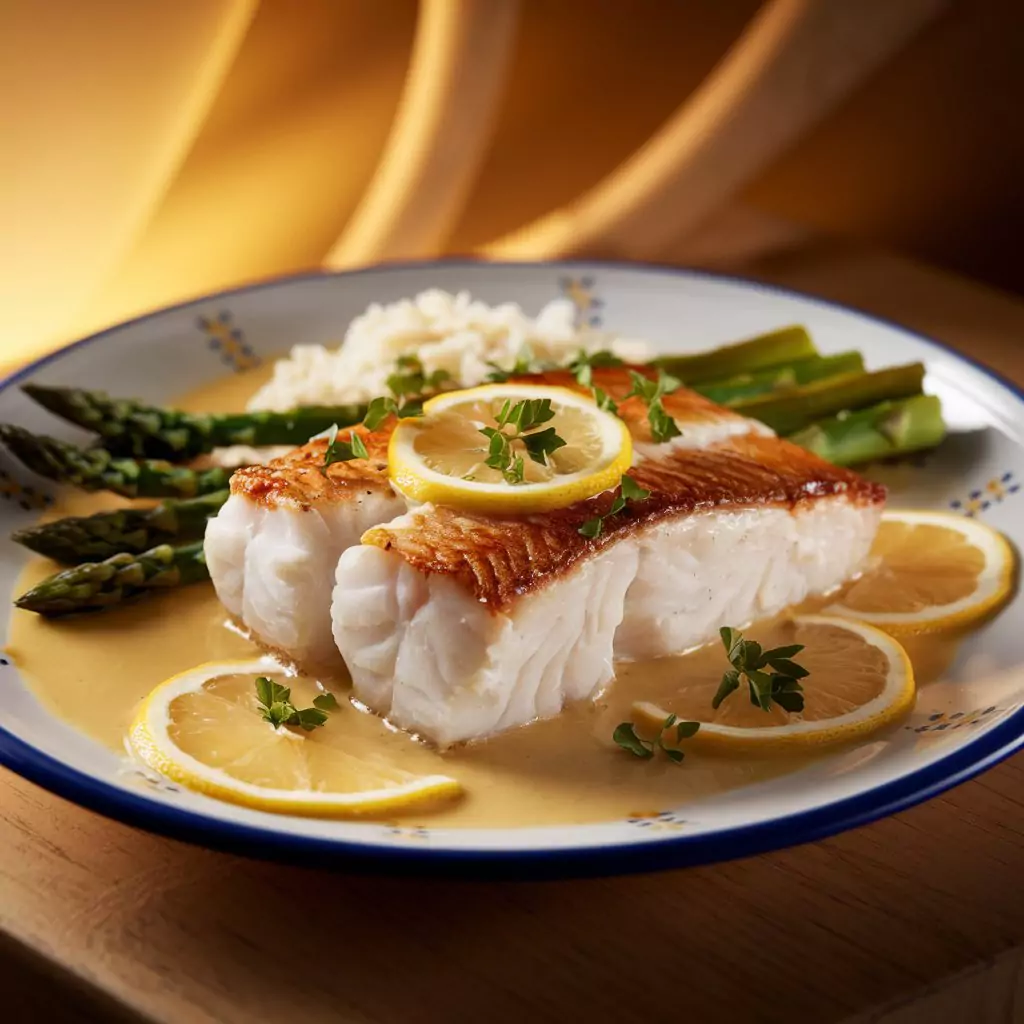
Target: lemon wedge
x=442, y=456
x=930, y=571
x=860, y=679
x=204, y=730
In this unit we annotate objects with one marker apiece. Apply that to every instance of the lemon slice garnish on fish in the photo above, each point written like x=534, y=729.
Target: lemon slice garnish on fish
x=930, y=571
x=442, y=457
x=203, y=729
x=859, y=681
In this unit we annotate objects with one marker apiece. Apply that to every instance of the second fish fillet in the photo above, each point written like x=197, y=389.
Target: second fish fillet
x=273, y=547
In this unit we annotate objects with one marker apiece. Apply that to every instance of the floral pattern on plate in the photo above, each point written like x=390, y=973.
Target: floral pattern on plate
x=225, y=338
x=997, y=490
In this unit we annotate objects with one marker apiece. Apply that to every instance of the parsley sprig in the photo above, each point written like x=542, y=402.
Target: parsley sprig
x=524, y=365
x=343, y=451
x=410, y=378
x=583, y=367
x=625, y=736
x=778, y=685
x=629, y=490
x=276, y=707
x=517, y=424
x=651, y=393
x=408, y=384
x=584, y=364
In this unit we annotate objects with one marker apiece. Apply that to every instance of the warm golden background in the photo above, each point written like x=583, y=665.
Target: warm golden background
x=154, y=151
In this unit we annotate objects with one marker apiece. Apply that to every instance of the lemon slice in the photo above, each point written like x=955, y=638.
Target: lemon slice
x=441, y=457
x=930, y=571
x=860, y=679
x=203, y=729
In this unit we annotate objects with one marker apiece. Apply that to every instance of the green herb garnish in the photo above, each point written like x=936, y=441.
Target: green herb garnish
x=524, y=365
x=343, y=451
x=605, y=401
x=407, y=385
x=583, y=365
x=629, y=490
x=651, y=392
x=409, y=378
x=276, y=706
x=518, y=422
x=779, y=685
x=383, y=406
x=625, y=736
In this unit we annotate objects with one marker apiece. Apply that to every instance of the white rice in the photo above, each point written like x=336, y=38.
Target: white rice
x=445, y=332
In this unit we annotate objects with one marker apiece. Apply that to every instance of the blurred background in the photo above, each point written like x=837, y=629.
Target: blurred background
x=155, y=151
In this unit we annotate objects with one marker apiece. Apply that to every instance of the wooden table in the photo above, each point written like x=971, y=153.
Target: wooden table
x=918, y=918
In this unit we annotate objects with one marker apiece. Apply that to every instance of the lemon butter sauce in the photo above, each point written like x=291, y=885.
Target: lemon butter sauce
x=94, y=671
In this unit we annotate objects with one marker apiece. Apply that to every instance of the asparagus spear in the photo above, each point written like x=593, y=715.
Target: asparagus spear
x=787, y=413
x=98, y=585
x=93, y=538
x=889, y=428
x=745, y=386
x=131, y=428
x=95, y=469
x=785, y=345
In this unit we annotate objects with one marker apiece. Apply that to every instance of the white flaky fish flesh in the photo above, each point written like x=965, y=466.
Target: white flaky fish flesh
x=273, y=548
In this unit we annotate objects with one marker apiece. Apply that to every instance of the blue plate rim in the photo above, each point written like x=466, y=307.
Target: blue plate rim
x=678, y=851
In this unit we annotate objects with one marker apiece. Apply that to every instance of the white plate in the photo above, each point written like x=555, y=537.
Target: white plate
x=961, y=725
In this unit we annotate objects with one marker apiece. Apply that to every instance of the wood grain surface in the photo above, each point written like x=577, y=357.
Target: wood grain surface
x=101, y=922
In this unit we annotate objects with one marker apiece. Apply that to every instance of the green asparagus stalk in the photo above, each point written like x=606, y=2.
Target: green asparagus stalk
x=131, y=428
x=95, y=469
x=785, y=345
x=889, y=428
x=98, y=585
x=788, y=413
x=93, y=538
x=777, y=379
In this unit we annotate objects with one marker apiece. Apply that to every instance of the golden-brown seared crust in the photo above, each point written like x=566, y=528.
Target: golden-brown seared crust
x=499, y=560
x=297, y=479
